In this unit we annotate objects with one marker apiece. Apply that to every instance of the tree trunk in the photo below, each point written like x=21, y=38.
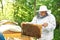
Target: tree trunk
x=2, y=5
x=34, y=7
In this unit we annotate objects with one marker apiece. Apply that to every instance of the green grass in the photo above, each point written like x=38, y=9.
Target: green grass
x=56, y=34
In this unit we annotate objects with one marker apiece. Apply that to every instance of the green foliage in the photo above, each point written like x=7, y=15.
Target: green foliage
x=6, y=10
x=56, y=35
x=24, y=10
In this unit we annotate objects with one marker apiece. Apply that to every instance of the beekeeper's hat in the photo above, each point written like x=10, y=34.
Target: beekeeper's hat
x=43, y=8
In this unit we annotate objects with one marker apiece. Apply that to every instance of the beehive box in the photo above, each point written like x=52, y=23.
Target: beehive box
x=33, y=30
x=10, y=34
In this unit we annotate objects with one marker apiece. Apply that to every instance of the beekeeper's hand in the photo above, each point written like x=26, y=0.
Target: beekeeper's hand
x=45, y=24
x=22, y=23
x=25, y=23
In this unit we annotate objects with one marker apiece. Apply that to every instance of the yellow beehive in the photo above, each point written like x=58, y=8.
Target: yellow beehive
x=11, y=34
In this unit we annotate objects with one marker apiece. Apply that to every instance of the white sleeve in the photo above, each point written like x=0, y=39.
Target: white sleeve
x=34, y=20
x=51, y=24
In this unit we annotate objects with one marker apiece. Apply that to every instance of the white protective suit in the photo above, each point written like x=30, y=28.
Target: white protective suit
x=47, y=32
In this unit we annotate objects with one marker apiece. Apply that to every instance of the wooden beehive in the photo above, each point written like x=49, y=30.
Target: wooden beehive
x=32, y=30
x=11, y=34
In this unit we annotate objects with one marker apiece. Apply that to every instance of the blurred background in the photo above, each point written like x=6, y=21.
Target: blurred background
x=25, y=10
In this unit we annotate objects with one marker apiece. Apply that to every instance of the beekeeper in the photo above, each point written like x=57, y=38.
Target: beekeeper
x=48, y=22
